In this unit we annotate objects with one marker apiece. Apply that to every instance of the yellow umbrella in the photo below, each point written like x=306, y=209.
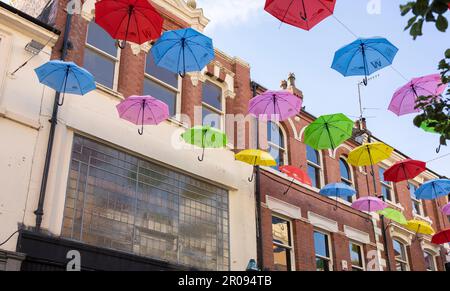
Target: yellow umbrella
x=256, y=158
x=369, y=154
x=420, y=227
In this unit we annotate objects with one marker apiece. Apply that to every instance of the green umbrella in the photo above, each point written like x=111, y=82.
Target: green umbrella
x=426, y=126
x=329, y=131
x=205, y=137
x=393, y=215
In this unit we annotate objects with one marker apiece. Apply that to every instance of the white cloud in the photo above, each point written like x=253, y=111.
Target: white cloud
x=230, y=12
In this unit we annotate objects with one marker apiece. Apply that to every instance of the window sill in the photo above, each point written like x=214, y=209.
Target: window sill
x=177, y=122
x=395, y=205
x=424, y=218
x=109, y=91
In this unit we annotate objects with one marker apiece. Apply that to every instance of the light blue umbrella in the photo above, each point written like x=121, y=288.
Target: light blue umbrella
x=340, y=190
x=182, y=51
x=65, y=77
x=433, y=189
x=364, y=57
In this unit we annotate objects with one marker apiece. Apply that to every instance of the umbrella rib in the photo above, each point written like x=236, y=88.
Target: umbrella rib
x=58, y=69
x=167, y=51
x=120, y=25
x=368, y=46
x=285, y=100
x=137, y=26
x=148, y=19
x=257, y=103
x=109, y=14
x=78, y=80
x=195, y=58
x=129, y=107
x=151, y=111
x=351, y=59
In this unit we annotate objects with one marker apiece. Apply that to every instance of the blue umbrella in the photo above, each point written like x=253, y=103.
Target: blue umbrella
x=338, y=190
x=433, y=189
x=66, y=77
x=364, y=57
x=181, y=51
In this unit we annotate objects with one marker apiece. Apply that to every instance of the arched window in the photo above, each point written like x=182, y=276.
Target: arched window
x=346, y=175
x=212, y=105
x=401, y=256
x=314, y=166
x=275, y=139
x=430, y=261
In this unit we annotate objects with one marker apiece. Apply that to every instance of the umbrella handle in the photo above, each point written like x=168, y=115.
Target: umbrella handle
x=141, y=131
x=182, y=75
x=336, y=206
x=61, y=103
x=200, y=159
x=438, y=150
x=365, y=81
x=122, y=44
x=251, y=178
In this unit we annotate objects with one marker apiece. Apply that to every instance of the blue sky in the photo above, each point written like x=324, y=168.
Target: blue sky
x=244, y=29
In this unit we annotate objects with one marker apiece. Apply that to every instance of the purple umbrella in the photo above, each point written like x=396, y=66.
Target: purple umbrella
x=446, y=209
x=369, y=204
x=144, y=110
x=279, y=105
x=404, y=99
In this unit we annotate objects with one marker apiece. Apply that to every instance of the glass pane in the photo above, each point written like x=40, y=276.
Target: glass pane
x=386, y=192
x=160, y=73
x=381, y=173
x=399, y=250
x=321, y=244
x=281, y=231
x=278, y=155
x=162, y=93
x=429, y=262
x=356, y=255
x=100, y=66
x=212, y=95
x=100, y=39
x=274, y=134
x=312, y=155
x=211, y=118
x=322, y=265
x=345, y=172
x=314, y=175
x=281, y=259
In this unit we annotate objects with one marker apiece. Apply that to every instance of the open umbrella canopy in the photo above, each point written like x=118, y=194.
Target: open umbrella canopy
x=143, y=110
x=426, y=126
x=446, y=209
x=275, y=105
x=329, y=131
x=433, y=189
x=296, y=174
x=404, y=100
x=369, y=204
x=129, y=20
x=364, y=57
x=304, y=14
x=338, y=190
x=205, y=137
x=419, y=227
x=441, y=238
x=256, y=158
x=65, y=77
x=369, y=154
x=404, y=170
x=182, y=51
x=393, y=215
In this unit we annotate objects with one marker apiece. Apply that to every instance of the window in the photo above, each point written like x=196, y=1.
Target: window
x=119, y=201
x=162, y=84
x=314, y=166
x=356, y=254
x=213, y=110
x=346, y=175
x=322, y=249
x=275, y=138
x=401, y=260
x=101, y=55
x=430, y=261
x=282, y=244
x=386, y=187
x=416, y=203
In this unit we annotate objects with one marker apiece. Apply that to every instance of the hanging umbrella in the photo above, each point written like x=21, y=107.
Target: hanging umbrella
x=182, y=51
x=446, y=209
x=65, y=77
x=329, y=131
x=296, y=174
x=441, y=238
x=369, y=204
x=433, y=189
x=404, y=100
x=280, y=105
x=256, y=158
x=205, y=137
x=426, y=126
x=364, y=57
x=129, y=20
x=304, y=14
x=393, y=215
x=143, y=110
x=419, y=227
x=338, y=190
x=404, y=170
x=369, y=154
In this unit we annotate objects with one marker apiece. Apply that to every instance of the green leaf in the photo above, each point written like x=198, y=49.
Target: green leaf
x=442, y=23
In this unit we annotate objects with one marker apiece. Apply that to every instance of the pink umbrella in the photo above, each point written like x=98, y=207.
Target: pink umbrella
x=404, y=99
x=369, y=204
x=144, y=110
x=446, y=209
x=279, y=105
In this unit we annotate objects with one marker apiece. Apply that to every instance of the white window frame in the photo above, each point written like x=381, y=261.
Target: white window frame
x=107, y=55
x=363, y=261
x=425, y=251
x=415, y=200
x=330, y=249
x=388, y=185
x=318, y=167
x=350, y=172
x=277, y=147
x=222, y=112
x=291, y=234
x=405, y=248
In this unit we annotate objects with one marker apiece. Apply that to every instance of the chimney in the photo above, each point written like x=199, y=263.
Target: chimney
x=291, y=87
x=284, y=85
x=361, y=124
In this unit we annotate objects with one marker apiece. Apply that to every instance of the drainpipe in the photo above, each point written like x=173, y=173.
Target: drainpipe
x=259, y=239
x=39, y=212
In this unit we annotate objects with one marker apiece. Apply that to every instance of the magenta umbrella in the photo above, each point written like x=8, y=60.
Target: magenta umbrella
x=369, y=204
x=279, y=105
x=144, y=110
x=446, y=209
x=404, y=100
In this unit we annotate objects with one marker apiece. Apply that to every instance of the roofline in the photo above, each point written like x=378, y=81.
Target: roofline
x=29, y=18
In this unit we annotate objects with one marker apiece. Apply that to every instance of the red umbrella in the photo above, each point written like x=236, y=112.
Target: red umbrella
x=304, y=14
x=296, y=174
x=441, y=238
x=404, y=170
x=129, y=20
